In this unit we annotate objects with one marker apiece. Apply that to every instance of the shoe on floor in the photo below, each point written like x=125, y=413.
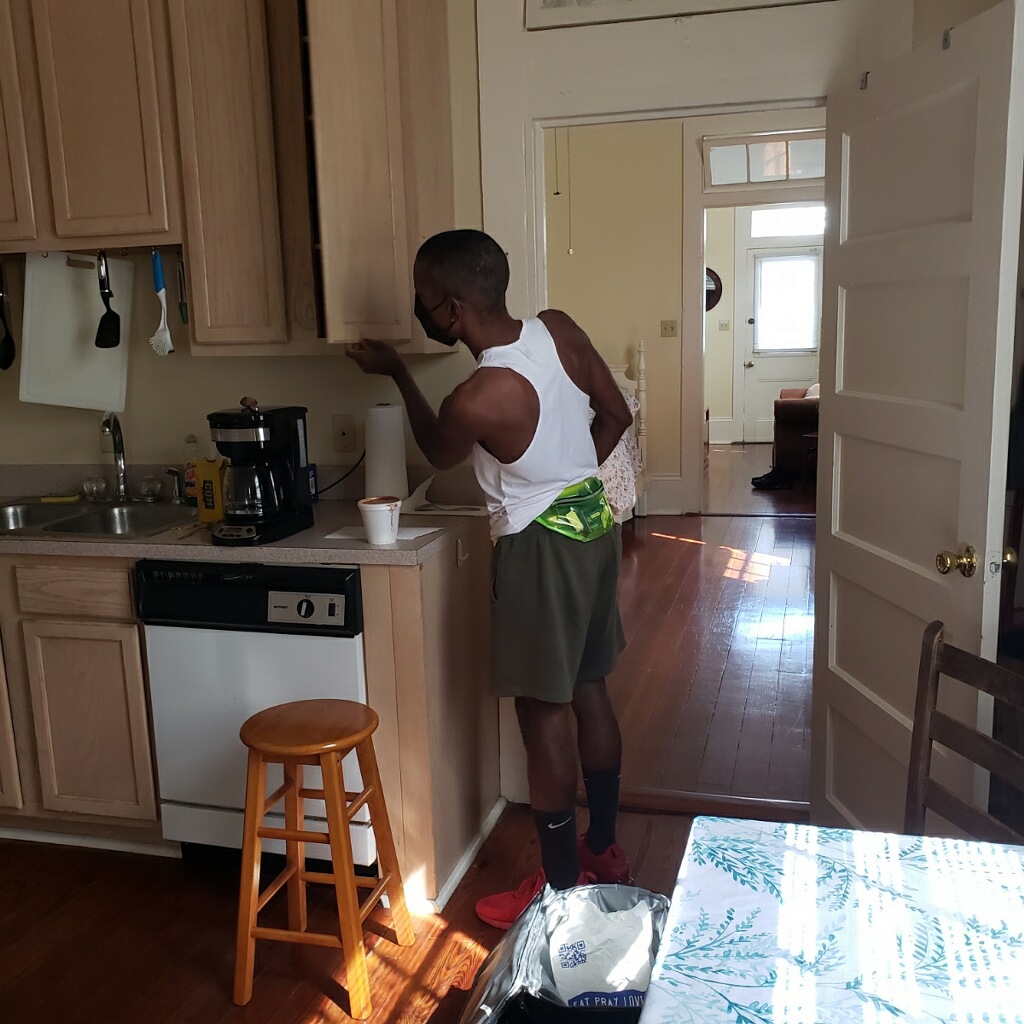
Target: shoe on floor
x=772, y=481
x=610, y=866
x=502, y=909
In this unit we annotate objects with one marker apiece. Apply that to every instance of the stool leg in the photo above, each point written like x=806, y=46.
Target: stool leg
x=357, y=979
x=249, y=889
x=295, y=851
x=386, y=854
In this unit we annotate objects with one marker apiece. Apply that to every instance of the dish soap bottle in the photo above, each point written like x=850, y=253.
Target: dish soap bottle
x=210, y=487
x=189, y=481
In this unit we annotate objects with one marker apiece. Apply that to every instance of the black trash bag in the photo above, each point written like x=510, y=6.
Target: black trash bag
x=553, y=965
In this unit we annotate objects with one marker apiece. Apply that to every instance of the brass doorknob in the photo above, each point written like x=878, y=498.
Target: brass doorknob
x=1009, y=556
x=966, y=563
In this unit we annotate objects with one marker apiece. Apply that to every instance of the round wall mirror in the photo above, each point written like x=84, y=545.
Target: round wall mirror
x=712, y=289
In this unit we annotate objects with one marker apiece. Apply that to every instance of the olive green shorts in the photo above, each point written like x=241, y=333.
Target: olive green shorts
x=556, y=613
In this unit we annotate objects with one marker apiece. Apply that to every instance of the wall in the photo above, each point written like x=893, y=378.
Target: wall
x=719, y=356
x=652, y=69
x=169, y=397
x=622, y=183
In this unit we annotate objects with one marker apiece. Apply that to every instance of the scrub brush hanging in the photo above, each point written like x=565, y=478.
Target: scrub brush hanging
x=160, y=343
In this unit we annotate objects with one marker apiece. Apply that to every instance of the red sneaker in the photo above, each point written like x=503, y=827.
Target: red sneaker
x=610, y=866
x=502, y=909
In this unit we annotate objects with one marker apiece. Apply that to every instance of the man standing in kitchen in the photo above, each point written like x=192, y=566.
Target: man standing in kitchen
x=523, y=416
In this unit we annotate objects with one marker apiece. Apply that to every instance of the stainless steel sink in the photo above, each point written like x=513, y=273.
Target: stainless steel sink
x=124, y=520
x=27, y=514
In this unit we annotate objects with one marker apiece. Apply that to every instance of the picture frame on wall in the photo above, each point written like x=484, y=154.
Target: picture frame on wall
x=541, y=14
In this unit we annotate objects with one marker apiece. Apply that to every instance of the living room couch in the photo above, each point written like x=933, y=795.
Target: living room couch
x=796, y=415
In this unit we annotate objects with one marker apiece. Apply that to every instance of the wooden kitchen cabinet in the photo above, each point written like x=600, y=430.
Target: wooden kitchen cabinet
x=317, y=156
x=221, y=73
x=10, y=782
x=77, y=696
x=88, y=126
x=427, y=631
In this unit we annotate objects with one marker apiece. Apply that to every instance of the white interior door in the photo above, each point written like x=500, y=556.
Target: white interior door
x=923, y=190
x=778, y=314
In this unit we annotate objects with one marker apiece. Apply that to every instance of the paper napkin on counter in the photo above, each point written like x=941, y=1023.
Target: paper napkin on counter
x=359, y=533
x=417, y=504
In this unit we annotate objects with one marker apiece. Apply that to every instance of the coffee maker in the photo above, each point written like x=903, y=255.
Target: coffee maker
x=267, y=488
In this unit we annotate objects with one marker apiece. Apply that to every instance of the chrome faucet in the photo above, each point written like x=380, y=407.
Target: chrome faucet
x=111, y=427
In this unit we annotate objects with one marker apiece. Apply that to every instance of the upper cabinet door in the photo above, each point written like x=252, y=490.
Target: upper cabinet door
x=227, y=145
x=17, y=219
x=357, y=118
x=102, y=69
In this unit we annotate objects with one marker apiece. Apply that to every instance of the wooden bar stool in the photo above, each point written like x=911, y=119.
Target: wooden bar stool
x=315, y=732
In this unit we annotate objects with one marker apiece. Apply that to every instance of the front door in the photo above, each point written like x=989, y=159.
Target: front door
x=923, y=191
x=778, y=306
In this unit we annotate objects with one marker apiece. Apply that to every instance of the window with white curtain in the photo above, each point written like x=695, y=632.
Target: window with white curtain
x=787, y=300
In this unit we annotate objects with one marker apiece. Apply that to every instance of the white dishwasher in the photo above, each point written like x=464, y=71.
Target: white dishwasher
x=223, y=641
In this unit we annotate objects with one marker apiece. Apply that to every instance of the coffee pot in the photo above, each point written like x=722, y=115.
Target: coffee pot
x=267, y=493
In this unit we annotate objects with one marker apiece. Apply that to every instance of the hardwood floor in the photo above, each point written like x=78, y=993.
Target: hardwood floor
x=713, y=694
x=93, y=937
x=713, y=689
x=728, y=490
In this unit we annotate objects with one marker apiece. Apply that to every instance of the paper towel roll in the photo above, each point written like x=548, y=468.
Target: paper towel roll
x=385, y=452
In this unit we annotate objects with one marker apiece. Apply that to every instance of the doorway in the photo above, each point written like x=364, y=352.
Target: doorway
x=761, y=341
x=713, y=690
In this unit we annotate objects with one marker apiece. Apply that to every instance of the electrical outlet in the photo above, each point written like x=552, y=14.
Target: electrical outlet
x=669, y=328
x=343, y=429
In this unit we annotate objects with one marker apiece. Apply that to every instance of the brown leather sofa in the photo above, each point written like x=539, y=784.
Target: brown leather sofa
x=796, y=415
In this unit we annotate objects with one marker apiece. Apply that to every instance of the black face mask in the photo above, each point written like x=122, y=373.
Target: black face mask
x=430, y=329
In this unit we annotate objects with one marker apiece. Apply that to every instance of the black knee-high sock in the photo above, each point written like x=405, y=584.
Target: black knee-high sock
x=603, y=797
x=557, y=833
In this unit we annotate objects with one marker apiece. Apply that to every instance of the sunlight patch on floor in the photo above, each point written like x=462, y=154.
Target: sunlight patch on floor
x=682, y=540
x=784, y=626
x=751, y=566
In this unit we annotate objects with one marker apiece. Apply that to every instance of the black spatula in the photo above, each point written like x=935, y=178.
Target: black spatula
x=7, y=349
x=108, y=333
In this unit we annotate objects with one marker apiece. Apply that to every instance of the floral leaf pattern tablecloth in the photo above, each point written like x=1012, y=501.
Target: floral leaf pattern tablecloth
x=787, y=924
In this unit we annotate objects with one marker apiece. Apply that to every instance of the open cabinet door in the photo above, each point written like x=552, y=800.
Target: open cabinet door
x=923, y=190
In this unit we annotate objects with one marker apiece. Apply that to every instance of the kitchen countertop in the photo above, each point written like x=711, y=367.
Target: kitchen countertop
x=311, y=545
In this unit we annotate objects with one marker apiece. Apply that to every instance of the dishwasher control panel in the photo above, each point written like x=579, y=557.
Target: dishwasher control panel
x=311, y=609
x=315, y=599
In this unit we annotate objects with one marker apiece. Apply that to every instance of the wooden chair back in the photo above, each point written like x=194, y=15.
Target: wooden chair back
x=933, y=726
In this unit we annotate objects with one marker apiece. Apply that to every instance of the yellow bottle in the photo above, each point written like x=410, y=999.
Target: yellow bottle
x=210, y=489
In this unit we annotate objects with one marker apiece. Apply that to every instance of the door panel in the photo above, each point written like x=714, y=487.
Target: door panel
x=924, y=198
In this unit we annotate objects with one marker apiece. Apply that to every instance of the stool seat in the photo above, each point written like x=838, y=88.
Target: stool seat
x=306, y=728
x=319, y=733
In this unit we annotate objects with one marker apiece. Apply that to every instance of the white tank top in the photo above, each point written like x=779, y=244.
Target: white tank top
x=562, y=450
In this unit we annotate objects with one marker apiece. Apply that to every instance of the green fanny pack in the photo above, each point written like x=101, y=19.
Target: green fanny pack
x=581, y=511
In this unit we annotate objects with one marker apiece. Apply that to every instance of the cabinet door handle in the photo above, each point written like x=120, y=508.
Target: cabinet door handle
x=461, y=554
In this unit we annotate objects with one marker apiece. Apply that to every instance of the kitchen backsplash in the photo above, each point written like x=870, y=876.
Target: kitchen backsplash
x=456, y=485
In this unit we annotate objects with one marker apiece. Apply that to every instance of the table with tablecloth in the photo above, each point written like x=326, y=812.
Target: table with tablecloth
x=775, y=923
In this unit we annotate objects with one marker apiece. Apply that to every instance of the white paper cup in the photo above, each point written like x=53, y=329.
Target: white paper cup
x=380, y=518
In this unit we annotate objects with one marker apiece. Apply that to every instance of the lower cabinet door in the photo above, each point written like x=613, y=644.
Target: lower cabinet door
x=89, y=710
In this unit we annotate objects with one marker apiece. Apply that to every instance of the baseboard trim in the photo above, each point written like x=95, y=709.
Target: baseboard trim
x=91, y=842
x=444, y=894
x=684, y=802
